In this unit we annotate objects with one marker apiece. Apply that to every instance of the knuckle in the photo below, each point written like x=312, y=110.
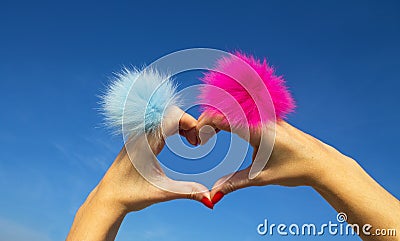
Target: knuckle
x=192, y=195
x=229, y=186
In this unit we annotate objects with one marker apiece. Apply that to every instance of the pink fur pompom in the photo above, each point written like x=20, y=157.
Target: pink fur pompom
x=238, y=87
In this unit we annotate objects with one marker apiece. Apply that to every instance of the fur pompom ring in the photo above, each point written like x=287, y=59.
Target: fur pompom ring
x=136, y=101
x=246, y=91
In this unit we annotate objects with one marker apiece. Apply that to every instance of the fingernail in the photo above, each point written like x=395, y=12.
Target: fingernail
x=207, y=203
x=217, y=197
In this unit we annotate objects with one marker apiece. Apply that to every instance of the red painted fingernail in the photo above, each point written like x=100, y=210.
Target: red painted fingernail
x=217, y=197
x=207, y=203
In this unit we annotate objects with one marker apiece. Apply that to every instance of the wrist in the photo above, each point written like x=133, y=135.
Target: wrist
x=96, y=219
x=103, y=203
x=332, y=170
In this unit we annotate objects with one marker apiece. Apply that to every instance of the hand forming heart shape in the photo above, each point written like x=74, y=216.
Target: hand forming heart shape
x=241, y=95
x=286, y=166
x=245, y=101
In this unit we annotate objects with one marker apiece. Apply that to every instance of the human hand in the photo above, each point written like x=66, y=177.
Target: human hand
x=124, y=189
x=124, y=186
x=295, y=159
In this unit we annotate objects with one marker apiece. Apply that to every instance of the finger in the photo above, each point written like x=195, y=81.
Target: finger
x=208, y=126
x=261, y=153
x=190, y=190
x=255, y=151
x=176, y=119
x=202, y=115
x=191, y=136
x=218, y=121
x=206, y=133
x=187, y=122
x=230, y=183
x=203, y=132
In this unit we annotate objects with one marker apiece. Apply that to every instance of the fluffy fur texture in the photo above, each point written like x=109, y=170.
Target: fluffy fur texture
x=238, y=76
x=135, y=101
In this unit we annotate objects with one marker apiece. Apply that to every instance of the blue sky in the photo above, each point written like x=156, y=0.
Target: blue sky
x=340, y=59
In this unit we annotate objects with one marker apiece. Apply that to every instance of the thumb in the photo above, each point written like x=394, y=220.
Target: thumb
x=176, y=120
x=230, y=183
x=190, y=190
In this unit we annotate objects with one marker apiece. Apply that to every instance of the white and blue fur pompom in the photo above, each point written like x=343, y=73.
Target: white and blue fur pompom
x=135, y=101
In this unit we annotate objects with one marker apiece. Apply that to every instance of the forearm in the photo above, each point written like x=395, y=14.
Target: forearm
x=349, y=189
x=96, y=220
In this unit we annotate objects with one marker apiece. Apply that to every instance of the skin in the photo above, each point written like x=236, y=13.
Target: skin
x=123, y=189
x=297, y=159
